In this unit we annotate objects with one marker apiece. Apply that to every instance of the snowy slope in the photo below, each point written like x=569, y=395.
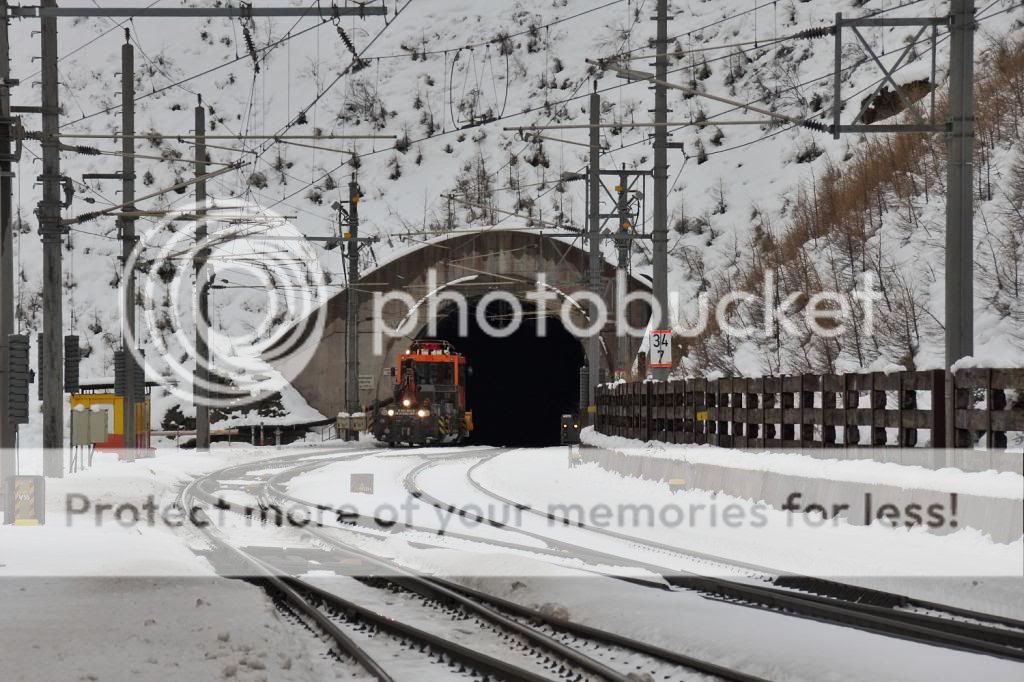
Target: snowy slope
x=421, y=86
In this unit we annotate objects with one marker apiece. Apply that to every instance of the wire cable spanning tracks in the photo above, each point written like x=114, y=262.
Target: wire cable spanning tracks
x=848, y=605
x=552, y=640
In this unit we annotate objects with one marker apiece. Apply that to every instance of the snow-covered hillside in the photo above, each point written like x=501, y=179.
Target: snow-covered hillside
x=446, y=76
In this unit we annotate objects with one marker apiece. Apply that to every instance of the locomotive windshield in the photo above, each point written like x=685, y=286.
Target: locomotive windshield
x=435, y=373
x=428, y=373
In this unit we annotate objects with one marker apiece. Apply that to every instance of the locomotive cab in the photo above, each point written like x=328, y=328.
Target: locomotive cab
x=429, y=398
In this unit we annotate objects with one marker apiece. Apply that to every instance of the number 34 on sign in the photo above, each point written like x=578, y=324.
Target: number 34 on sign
x=661, y=347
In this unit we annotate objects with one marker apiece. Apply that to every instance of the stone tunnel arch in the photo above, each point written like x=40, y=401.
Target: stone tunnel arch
x=520, y=384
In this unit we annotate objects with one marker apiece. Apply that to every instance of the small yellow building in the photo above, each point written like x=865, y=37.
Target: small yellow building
x=105, y=400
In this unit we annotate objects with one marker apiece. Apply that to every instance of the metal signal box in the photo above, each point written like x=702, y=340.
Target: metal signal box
x=570, y=431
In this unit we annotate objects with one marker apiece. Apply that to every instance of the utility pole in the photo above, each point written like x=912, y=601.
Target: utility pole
x=201, y=376
x=8, y=428
x=623, y=242
x=51, y=371
x=959, y=131
x=126, y=225
x=660, y=227
x=348, y=226
x=959, y=192
x=352, y=321
x=594, y=269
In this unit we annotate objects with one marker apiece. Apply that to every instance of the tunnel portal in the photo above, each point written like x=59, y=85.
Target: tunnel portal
x=519, y=385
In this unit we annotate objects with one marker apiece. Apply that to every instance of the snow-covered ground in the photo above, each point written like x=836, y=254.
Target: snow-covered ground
x=894, y=559
x=756, y=642
x=106, y=586
x=98, y=523
x=745, y=531
x=88, y=601
x=1003, y=484
x=965, y=567
x=111, y=629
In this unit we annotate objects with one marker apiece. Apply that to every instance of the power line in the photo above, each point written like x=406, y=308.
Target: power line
x=530, y=110
x=501, y=38
x=267, y=48
x=93, y=40
x=571, y=98
x=568, y=100
x=352, y=66
x=784, y=128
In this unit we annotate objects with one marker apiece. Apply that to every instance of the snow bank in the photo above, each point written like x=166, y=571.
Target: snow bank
x=987, y=484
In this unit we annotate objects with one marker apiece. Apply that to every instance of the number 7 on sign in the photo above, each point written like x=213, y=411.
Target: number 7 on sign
x=661, y=348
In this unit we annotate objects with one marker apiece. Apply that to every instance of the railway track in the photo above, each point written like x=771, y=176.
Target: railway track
x=912, y=610
x=483, y=636
x=374, y=527
x=828, y=601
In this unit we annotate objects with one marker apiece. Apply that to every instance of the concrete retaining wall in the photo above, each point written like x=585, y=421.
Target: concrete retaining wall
x=1001, y=518
x=967, y=460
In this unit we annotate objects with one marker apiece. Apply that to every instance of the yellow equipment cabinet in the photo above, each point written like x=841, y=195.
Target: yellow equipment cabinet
x=113, y=405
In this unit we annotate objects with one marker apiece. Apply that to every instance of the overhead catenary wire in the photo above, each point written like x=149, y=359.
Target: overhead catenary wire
x=717, y=152
x=499, y=39
x=344, y=72
x=92, y=215
x=217, y=67
x=560, y=103
x=643, y=76
x=94, y=39
x=790, y=88
x=806, y=34
x=191, y=136
x=579, y=85
x=290, y=36
x=524, y=112
x=789, y=127
x=92, y=151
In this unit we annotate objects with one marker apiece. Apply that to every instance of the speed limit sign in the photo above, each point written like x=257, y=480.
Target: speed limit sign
x=661, y=348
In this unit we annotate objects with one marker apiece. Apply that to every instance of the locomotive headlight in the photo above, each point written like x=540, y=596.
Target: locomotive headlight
x=406, y=403
x=391, y=413
x=422, y=413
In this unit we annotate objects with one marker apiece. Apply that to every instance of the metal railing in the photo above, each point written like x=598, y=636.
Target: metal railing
x=900, y=409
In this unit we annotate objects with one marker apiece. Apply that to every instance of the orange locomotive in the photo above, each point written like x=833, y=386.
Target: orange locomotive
x=429, y=401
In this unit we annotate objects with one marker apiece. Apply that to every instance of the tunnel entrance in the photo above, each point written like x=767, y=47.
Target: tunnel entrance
x=520, y=385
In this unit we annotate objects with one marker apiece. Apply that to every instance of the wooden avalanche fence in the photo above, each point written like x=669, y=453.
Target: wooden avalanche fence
x=901, y=409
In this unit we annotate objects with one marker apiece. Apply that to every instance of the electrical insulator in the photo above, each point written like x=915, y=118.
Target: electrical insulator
x=19, y=377
x=72, y=362
x=125, y=362
x=39, y=363
x=119, y=372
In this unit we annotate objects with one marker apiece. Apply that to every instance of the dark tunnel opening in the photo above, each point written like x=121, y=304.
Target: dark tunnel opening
x=520, y=385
